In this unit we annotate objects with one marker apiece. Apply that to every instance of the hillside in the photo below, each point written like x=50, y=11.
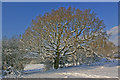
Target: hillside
x=102, y=69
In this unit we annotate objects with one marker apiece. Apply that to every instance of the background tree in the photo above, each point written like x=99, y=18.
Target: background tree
x=62, y=33
x=12, y=55
x=104, y=47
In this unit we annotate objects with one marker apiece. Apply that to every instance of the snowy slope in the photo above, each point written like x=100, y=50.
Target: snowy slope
x=79, y=72
x=31, y=68
x=103, y=69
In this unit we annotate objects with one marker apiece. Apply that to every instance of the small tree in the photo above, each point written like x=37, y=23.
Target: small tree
x=12, y=56
x=63, y=32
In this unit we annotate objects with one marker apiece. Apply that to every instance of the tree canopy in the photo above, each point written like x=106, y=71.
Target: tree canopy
x=63, y=33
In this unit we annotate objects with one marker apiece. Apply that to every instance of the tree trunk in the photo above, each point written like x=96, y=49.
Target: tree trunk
x=56, y=63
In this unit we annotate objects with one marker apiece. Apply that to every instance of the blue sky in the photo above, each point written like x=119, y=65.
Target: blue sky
x=16, y=17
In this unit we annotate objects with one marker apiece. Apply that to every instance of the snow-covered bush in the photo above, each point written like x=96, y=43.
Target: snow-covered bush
x=48, y=65
x=12, y=56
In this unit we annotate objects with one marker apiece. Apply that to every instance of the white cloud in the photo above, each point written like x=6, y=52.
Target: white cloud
x=114, y=37
x=113, y=30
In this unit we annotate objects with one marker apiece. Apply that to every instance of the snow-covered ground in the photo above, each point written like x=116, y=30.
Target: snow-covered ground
x=78, y=72
x=31, y=68
x=103, y=69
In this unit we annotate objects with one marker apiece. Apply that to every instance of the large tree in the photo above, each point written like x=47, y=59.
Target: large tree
x=62, y=33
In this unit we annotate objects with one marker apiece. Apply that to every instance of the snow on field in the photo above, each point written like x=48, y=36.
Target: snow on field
x=103, y=69
x=78, y=72
x=30, y=68
x=106, y=62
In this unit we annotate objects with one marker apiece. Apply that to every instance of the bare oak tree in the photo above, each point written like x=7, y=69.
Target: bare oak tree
x=62, y=33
